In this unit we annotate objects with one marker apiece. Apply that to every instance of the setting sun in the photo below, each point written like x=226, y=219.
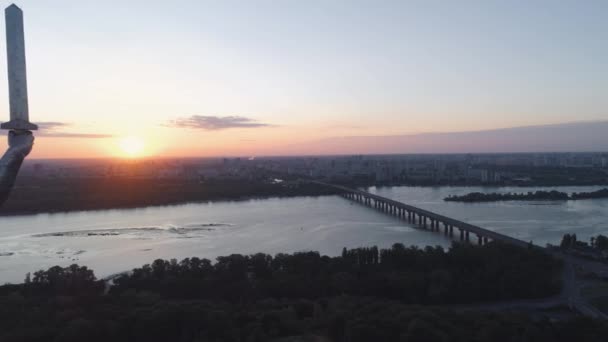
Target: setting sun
x=131, y=147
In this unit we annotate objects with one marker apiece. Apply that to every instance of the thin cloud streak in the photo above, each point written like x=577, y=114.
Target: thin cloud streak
x=50, y=125
x=50, y=130
x=216, y=123
x=568, y=137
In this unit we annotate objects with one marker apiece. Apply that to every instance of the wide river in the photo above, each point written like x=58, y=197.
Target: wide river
x=111, y=241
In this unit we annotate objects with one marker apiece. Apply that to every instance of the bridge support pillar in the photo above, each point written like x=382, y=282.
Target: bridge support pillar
x=461, y=234
x=467, y=236
x=479, y=240
x=425, y=225
x=485, y=240
x=451, y=231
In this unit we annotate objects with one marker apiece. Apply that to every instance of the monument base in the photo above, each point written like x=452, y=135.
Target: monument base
x=19, y=125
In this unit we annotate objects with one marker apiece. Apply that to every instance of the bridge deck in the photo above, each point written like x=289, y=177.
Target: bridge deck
x=463, y=226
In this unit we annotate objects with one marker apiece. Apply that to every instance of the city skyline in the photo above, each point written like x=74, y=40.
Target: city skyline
x=211, y=79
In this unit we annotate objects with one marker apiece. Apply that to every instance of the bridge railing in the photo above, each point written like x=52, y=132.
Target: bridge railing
x=463, y=226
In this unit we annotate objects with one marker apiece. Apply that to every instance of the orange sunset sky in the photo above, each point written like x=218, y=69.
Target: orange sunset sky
x=211, y=78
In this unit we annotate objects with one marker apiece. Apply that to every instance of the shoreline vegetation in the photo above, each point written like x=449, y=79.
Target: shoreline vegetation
x=552, y=195
x=365, y=294
x=37, y=196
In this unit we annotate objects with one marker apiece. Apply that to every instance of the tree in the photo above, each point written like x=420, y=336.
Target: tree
x=601, y=242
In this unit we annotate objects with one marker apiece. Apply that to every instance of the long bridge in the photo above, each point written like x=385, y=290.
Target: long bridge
x=423, y=218
x=455, y=229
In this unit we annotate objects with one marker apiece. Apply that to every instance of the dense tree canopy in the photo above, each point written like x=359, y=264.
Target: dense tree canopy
x=366, y=294
x=540, y=195
x=463, y=274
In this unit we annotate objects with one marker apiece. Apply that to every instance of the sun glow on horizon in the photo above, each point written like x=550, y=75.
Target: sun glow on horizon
x=131, y=147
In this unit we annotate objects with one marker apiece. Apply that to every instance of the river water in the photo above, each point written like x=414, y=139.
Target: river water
x=111, y=241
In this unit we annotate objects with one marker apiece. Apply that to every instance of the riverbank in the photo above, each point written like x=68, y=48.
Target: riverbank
x=552, y=195
x=35, y=196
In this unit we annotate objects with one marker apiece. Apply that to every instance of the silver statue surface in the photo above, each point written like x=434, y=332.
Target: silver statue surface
x=20, y=137
x=17, y=75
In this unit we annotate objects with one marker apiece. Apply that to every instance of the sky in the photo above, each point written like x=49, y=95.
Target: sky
x=211, y=78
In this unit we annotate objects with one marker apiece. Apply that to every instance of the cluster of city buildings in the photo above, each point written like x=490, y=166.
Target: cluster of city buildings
x=451, y=168
x=476, y=168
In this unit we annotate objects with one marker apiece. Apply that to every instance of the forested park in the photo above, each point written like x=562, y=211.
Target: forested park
x=366, y=294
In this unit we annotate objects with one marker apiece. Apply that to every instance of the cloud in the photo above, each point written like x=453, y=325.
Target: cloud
x=49, y=125
x=567, y=137
x=52, y=129
x=216, y=123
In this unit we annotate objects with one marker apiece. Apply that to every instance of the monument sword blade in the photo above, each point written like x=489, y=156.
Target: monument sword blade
x=17, y=76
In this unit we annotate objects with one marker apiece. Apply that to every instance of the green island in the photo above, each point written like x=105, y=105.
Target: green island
x=365, y=294
x=552, y=195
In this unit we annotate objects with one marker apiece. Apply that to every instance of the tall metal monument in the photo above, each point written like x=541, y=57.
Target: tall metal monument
x=17, y=77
